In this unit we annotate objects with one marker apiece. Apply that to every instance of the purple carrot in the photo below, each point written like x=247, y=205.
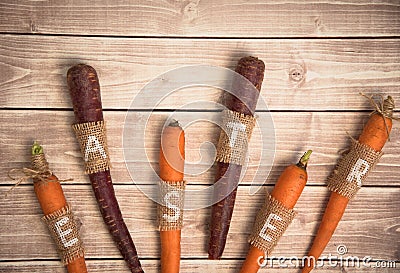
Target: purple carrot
x=86, y=99
x=228, y=174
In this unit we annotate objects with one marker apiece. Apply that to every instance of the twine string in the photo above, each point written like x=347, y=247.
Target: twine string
x=27, y=173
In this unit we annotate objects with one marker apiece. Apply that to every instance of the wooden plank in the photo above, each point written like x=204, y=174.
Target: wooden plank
x=152, y=266
x=204, y=18
x=324, y=132
x=330, y=72
x=368, y=228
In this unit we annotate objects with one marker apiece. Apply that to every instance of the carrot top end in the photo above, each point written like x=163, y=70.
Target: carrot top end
x=304, y=159
x=174, y=123
x=37, y=149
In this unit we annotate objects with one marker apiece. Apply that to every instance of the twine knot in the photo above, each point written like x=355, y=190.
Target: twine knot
x=25, y=175
x=40, y=171
x=384, y=107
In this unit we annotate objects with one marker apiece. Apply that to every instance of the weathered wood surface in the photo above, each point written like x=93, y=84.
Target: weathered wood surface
x=301, y=74
x=209, y=18
x=368, y=228
x=327, y=133
x=151, y=266
x=319, y=55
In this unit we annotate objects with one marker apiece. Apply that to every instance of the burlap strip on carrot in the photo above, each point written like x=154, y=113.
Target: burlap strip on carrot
x=64, y=231
x=234, y=138
x=271, y=222
x=170, y=205
x=352, y=169
x=93, y=143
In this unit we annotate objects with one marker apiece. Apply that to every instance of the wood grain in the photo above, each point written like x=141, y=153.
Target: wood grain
x=301, y=74
x=319, y=55
x=325, y=133
x=152, y=266
x=369, y=226
x=205, y=18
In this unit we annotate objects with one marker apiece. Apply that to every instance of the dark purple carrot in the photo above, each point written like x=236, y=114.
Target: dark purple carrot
x=84, y=89
x=244, y=101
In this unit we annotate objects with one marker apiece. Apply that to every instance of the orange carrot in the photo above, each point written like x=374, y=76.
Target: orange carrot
x=287, y=191
x=375, y=134
x=51, y=198
x=172, y=158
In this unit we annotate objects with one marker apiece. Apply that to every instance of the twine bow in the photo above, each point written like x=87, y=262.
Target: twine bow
x=27, y=174
x=384, y=107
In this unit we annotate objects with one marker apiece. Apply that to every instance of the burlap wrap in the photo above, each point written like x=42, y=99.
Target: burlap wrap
x=170, y=207
x=93, y=143
x=352, y=169
x=65, y=233
x=235, y=135
x=271, y=222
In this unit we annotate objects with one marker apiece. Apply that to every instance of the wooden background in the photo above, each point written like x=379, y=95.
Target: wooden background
x=319, y=55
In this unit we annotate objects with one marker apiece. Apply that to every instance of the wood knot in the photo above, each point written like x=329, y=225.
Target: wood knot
x=296, y=73
x=33, y=27
x=319, y=26
x=190, y=11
